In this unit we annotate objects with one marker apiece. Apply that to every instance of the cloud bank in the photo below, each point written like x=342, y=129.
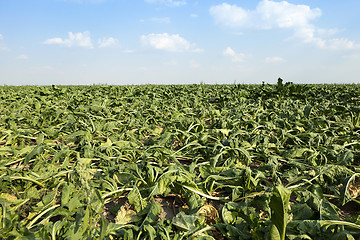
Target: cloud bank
x=108, y=42
x=81, y=39
x=281, y=15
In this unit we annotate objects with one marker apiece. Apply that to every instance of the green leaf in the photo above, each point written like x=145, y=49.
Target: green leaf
x=185, y=222
x=36, y=151
x=342, y=236
x=328, y=211
x=104, y=223
x=151, y=232
x=274, y=233
x=32, y=193
x=95, y=200
x=108, y=143
x=279, y=207
x=343, y=223
x=40, y=139
x=67, y=191
x=346, y=158
x=56, y=228
x=85, y=220
x=230, y=231
x=301, y=211
x=153, y=212
x=307, y=227
x=307, y=111
x=74, y=203
x=135, y=199
x=49, y=197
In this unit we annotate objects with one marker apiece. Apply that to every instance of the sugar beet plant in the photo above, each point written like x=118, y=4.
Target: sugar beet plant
x=180, y=162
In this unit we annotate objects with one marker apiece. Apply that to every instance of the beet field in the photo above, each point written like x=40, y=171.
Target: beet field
x=169, y=162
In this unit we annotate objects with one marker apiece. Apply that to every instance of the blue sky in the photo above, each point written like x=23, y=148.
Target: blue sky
x=44, y=42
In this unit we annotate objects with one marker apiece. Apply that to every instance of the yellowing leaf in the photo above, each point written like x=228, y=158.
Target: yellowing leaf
x=8, y=197
x=125, y=216
x=108, y=143
x=209, y=212
x=158, y=130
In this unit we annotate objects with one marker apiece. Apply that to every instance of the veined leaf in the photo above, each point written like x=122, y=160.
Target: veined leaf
x=135, y=199
x=279, y=211
x=185, y=222
x=37, y=150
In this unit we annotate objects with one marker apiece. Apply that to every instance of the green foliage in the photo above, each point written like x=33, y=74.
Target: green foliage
x=279, y=204
x=153, y=162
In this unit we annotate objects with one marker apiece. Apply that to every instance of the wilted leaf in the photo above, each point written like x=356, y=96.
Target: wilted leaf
x=125, y=216
x=8, y=197
x=209, y=212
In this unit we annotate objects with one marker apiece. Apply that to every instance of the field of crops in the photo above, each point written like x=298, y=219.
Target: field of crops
x=180, y=162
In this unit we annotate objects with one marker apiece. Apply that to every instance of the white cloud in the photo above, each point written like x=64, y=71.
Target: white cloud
x=230, y=15
x=80, y=39
x=283, y=15
x=275, y=60
x=308, y=35
x=268, y=14
x=23, y=57
x=193, y=15
x=1, y=37
x=339, y=43
x=169, y=3
x=235, y=57
x=229, y=52
x=327, y=32
x=171, y=43
x=108, y=42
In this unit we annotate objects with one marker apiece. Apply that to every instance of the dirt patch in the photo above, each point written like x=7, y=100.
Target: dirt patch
x=171, y=205
x=354, y=188
x=111, y=208
x=349, y=210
